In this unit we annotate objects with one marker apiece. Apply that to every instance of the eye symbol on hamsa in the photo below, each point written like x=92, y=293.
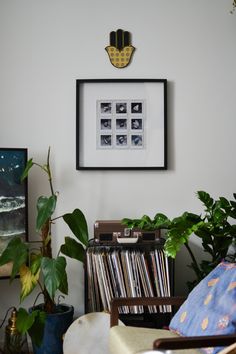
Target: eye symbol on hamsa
x=120, y=50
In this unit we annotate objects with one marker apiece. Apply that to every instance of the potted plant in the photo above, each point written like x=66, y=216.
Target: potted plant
x=214, y=227
x=38, y=267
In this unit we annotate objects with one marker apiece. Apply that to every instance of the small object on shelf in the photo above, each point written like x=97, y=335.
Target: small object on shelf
x=14, y=342
x=109, y=231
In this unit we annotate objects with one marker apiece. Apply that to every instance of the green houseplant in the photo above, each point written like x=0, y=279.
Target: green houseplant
x=214, y=227
x=38, y=266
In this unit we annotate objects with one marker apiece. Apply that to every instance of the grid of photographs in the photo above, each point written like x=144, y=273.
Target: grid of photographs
x=120, y=124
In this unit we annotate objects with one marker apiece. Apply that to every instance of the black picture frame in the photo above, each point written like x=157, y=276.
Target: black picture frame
x=13, y=199
x=104, y=107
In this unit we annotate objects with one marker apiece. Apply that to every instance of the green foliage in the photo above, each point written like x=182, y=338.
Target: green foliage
x=214, y=227
x=78, y=225
x=37, y=266
x=33, y=323
x=54, y=275
x=160, y=221
x=45, y=208
x=16, y=252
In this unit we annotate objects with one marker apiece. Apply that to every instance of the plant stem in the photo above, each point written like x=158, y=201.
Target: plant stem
x=198, y=273
x=49, y=172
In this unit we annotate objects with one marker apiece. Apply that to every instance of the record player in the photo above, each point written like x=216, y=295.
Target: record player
x=114, y=232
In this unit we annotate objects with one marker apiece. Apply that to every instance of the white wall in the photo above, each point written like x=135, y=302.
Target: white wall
x=46, y=45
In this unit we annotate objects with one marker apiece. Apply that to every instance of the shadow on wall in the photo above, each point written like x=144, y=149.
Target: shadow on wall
x=183, y=273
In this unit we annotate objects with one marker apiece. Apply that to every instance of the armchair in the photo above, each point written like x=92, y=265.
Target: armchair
x=206, y=319
x=130, y=340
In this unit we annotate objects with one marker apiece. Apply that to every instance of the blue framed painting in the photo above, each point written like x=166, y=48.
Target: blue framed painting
x=13, y=199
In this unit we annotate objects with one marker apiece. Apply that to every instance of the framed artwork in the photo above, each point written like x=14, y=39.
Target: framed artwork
x=13, y=199
x=121, y=124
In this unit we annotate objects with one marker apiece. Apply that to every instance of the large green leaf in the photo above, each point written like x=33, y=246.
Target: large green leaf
x=73, y=249
x=78, y=225
x=36, y=332
x=173, y=243
x=161, y=221
x=16, y=252
x=205, y=199
x=28, y=281
x=26, y=170
x=33, y=323
x=54, y=273
x=131, y=223
x=45, y=207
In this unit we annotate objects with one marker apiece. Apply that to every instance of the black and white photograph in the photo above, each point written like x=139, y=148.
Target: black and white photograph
x=136, y=107
x=137, y=124
x=121, y=140
x=121, y=124
x=137, y=140
x=121, y=108
x=105, y=107
x=106, y=140
x=105, y=124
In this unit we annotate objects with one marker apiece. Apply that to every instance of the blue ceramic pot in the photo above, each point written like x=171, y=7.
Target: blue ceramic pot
x=55, y=327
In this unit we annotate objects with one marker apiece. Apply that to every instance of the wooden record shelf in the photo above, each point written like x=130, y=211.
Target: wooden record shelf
x=128, y=270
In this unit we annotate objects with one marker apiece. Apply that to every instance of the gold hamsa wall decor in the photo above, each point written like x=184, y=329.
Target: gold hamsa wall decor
x=120, y=50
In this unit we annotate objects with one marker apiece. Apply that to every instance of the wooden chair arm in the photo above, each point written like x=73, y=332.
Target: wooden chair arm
x=141, y=301
x=194, y=342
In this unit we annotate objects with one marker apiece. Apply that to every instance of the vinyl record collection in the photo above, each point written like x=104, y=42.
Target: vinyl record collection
x=124, y=272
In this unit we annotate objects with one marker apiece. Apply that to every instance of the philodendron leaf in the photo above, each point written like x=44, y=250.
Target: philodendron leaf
x=73, y=249
x=28, y=281
x=54, y=273
x=45, y=207
x=78, y=225
x=33, y=323
x=16, y=252
x=26, y=170
x=24, y=320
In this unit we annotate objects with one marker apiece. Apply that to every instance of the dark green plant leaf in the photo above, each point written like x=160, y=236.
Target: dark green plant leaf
x=33, y=323
x=78, y=225
x=35, y=263
x=224, y=203
x=16, y=252
x=219, y=216
x=161, y=221
x=36, y=332
x=173, y=242
x=45, y=207
x=54, y=273
x=73, y=249
x=26, y=170
x=128, y=222
x=205, y=198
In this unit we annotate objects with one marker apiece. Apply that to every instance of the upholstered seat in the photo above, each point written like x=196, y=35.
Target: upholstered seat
x=206, y=319
x=131, y=340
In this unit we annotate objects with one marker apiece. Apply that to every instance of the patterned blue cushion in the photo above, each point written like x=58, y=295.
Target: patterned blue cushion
x=210, y=308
